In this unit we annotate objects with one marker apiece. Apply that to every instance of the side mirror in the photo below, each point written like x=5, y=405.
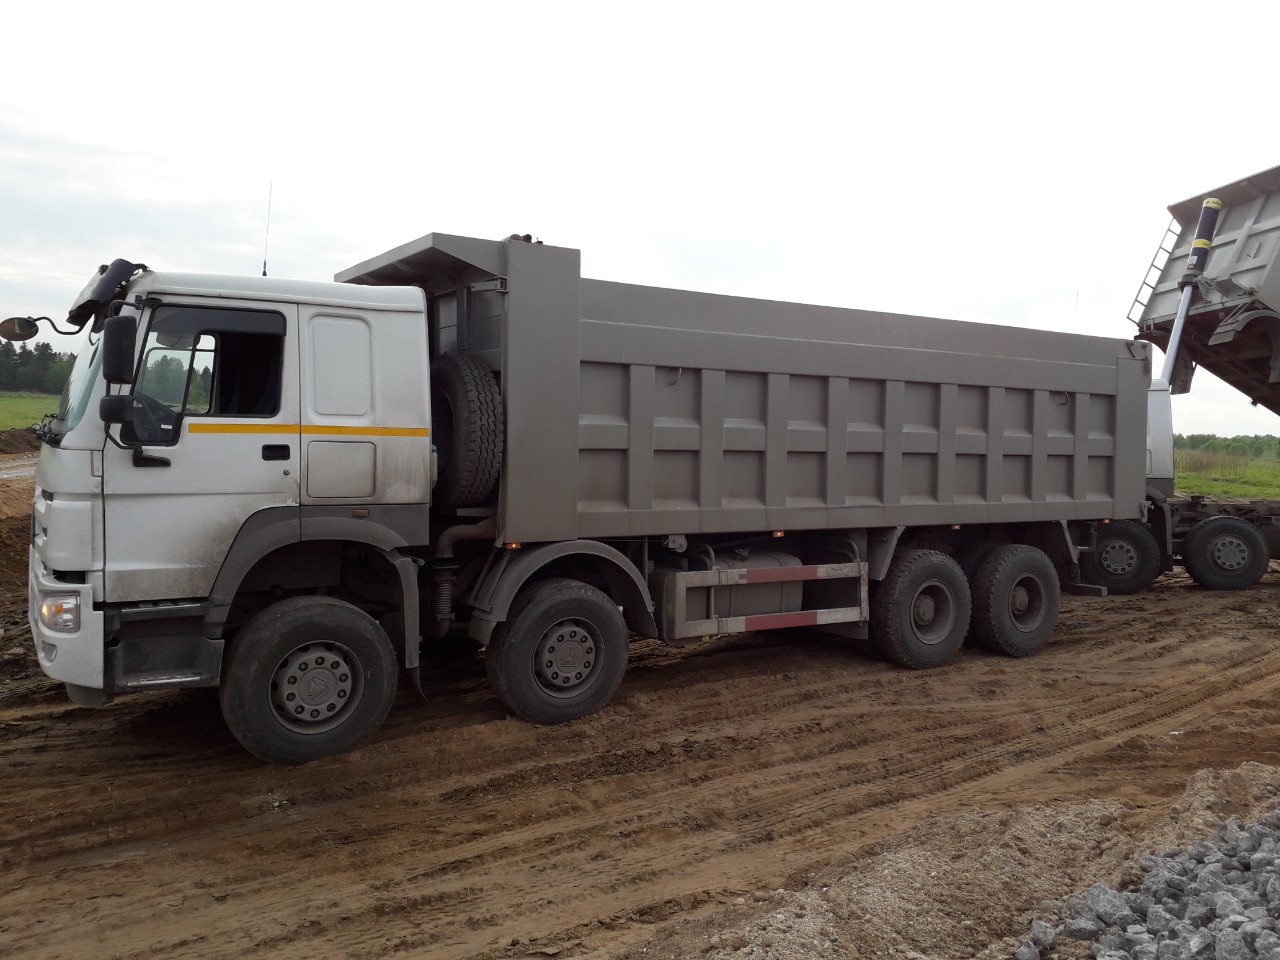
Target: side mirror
x=119, y=339
x=19, y=328
x=116, y=408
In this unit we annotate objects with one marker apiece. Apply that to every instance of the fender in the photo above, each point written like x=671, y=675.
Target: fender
x=881, y=545
x=492, y=596
x=268, y=530
x=260, y=534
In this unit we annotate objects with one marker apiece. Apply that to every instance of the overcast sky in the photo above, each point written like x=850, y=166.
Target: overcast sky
x=1009, y=163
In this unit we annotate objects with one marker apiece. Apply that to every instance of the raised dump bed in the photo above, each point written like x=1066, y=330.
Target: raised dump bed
x=1232, y=328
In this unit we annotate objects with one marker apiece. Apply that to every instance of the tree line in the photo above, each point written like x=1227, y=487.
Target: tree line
x=1258, y=445
x=39, y=369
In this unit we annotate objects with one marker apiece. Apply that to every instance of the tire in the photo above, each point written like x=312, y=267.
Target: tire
x=1127, y=558
x=920, y=610
x=466, y=424
x=275, y=665
x=970, y=556
x=561, y=653
x=1015, y=600
x=1225, y=553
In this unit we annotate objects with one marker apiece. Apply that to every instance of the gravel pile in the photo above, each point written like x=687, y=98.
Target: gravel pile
x=1213, y=901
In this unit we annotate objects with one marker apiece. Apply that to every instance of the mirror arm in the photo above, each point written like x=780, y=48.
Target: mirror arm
x=119, y=444
x=24, y=328
x=140, y=457
x=56, y=328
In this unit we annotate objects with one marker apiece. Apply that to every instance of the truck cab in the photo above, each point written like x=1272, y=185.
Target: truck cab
x=220, y=441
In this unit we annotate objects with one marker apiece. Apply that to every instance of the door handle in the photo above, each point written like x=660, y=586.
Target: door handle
x=275, y=451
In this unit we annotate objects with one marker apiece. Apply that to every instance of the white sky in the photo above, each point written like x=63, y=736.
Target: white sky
x=1004, y=162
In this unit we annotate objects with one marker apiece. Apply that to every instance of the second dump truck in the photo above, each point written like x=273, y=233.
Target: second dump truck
x=285, y=488
x=1219, y=265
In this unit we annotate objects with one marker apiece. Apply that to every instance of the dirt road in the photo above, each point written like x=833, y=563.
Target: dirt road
x=751, y=784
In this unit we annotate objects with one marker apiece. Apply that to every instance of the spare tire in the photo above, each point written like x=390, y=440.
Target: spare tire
x=466, y=424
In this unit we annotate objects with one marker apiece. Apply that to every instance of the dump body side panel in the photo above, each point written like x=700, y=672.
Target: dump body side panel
x=711, y=414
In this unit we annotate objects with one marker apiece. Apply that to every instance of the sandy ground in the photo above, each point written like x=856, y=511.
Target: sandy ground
x=781, y=795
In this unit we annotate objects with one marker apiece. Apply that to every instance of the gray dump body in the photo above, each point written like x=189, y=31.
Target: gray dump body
x=1233, y=328
x=637, y=411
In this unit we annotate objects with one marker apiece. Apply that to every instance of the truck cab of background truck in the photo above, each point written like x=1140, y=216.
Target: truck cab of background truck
x=1159, y=440
x=249, y=418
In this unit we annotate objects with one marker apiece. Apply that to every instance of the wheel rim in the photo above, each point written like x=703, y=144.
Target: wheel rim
x=1026, y=602
x=933, y=612
x=1118, y=557
x=567, y=659
x=315, y=687
x=1229, y=553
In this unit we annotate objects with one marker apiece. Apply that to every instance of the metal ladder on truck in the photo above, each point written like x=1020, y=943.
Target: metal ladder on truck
x=1152, y=276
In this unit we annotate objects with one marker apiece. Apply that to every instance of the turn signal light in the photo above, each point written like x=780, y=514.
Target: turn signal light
x=61, y=611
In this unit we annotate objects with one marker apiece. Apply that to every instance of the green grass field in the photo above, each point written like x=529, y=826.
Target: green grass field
x=1218, y=475
x=24, y=409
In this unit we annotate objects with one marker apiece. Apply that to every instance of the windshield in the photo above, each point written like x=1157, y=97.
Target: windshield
x=79, y=388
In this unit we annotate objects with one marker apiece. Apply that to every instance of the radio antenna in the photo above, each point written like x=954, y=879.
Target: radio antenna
x=267, y=239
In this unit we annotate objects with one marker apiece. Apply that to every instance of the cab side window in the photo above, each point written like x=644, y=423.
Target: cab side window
x=205, y=362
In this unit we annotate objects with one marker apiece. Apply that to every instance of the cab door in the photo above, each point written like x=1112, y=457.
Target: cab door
x=216, y=429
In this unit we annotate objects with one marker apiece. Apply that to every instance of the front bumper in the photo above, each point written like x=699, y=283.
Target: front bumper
x=72, y=657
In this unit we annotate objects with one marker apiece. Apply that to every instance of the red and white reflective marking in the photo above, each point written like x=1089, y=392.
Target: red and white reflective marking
x=729, y=578
x=801, y=618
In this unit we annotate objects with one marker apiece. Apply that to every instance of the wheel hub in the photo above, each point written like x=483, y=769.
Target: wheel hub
x=1026, y=603
x=1019, y=601
x=566, y=660
x=932, y=612
x=1118, y=557
x=314, y=687
x=926, y=609
x=1230, y=553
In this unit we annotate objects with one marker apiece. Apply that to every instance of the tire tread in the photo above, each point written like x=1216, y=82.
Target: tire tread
x=475, y=459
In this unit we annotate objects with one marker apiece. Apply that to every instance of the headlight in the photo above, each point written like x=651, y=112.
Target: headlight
x=61, y=611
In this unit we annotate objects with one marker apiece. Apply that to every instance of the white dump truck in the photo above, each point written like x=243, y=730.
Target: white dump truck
x=284, y=489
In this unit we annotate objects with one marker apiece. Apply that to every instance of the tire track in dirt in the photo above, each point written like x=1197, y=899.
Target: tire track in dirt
x=638, y=877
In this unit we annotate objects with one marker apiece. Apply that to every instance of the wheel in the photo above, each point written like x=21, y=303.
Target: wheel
x=466, y=423
x=970, y=557
x=1015, y=600
x=307, y=677
x=561, y=653
x=920, y=610
x=1127, y=558
x=1225, y=553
